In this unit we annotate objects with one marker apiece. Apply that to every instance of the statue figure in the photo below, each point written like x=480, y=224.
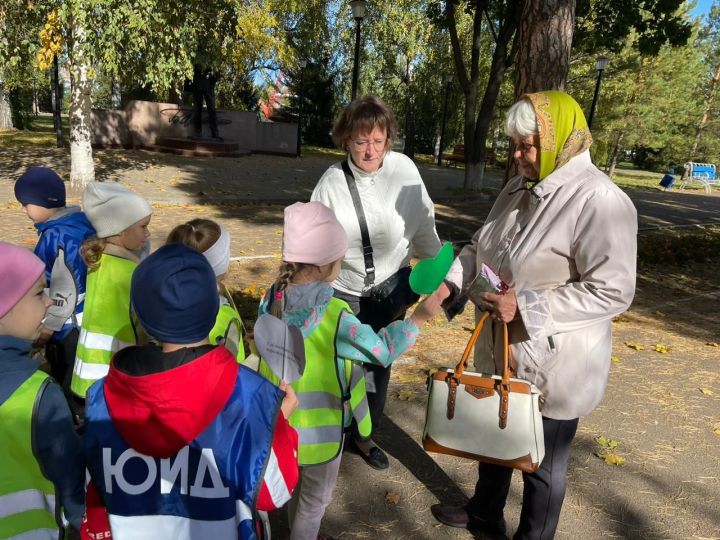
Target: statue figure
x=203, y=87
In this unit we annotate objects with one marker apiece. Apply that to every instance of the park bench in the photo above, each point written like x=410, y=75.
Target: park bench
x=458, y=155
x=700, y=172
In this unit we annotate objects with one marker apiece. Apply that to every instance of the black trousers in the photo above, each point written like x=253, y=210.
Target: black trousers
x=204, y=89
x=377, y=378
x=543, y=490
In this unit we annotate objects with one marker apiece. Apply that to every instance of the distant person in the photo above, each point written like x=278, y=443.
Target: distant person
x=400, y=222
x=562, y=235
x=62, y=230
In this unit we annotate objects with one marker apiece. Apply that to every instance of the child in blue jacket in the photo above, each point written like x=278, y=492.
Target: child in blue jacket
x=62, y=230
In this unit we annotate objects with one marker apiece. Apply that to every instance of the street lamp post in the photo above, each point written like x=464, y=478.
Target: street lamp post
x=600, y=66
x=448, y=82
x=358, y=11
x=302, y=63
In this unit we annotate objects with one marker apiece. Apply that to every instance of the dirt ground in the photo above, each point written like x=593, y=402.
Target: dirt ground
x=661, y=408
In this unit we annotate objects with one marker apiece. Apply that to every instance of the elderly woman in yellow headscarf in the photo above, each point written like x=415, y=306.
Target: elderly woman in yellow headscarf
x=562, y=236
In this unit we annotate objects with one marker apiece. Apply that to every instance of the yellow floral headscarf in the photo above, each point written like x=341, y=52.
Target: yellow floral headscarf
x=563, y=129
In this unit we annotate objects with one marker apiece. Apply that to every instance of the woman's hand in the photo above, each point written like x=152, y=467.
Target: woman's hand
x=290, y=401
x=430, y=306
x=505, y=305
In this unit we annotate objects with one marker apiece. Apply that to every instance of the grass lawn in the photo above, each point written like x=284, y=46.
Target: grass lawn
x=40, y=135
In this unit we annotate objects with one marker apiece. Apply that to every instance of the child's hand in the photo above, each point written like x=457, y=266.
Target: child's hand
x=430, y=306
x=290, y=401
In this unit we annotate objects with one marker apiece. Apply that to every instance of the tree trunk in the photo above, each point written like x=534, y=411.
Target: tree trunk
x=545, y=35
x=115, y=94
x=5, y=112
x=613, y=157
x=501, y=61
x=82, y=168
x=706, y=113
x=469, y=84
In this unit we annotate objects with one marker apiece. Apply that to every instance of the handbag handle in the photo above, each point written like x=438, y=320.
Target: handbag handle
x=504, y=386
x=462, y=365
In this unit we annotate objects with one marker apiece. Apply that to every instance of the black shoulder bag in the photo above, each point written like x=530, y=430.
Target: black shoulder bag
x=393, y=296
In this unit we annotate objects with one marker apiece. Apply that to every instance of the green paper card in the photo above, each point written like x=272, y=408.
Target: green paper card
x=428, y=274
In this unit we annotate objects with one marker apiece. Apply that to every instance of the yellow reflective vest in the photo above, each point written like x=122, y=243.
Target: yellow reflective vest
x=27, y=498
x=106, y=326
x=331, y=393
x=228, y=330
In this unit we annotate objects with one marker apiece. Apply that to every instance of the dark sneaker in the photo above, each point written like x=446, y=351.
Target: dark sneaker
x=376, y=458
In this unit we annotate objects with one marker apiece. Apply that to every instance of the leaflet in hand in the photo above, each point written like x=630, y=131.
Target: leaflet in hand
x=486, y=281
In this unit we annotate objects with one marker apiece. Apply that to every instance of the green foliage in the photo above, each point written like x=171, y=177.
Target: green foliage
x=606, y=24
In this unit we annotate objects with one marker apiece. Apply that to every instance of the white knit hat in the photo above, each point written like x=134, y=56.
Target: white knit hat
x=112, y=208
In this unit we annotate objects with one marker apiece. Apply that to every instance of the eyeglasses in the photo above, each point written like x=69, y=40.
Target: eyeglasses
x=524, y=147
x=362, y=144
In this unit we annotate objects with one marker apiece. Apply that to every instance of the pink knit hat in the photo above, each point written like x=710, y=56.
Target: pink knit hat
x=312, y=234
x=19, y=270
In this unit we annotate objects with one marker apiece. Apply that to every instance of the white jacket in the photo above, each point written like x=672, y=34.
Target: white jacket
x=399, y=214
x=568, y=246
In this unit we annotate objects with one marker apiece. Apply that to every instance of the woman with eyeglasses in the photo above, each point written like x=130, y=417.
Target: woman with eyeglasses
x=394, y=208
x=562, y=236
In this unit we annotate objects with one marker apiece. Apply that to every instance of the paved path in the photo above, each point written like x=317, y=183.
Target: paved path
x=171, y=180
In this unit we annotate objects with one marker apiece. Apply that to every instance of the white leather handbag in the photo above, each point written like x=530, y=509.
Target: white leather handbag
x=489, y=418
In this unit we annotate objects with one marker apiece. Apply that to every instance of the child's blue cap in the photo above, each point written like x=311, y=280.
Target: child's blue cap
x=40, y=186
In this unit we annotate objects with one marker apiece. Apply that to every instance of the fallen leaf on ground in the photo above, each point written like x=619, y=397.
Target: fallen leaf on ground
x=621, y=318
x=716, y=431
x=605, y=442
x=659, y=347
x=406, y=395
x=635, y=346
x=615, y=359
x=611, y=458
x=712, y=344
x=392, y=497
x=706, y=391
x=659, y=313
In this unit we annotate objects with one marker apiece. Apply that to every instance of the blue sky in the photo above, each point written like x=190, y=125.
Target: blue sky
x=702, y=7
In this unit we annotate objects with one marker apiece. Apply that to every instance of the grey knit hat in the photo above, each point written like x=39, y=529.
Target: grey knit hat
x=112, y=208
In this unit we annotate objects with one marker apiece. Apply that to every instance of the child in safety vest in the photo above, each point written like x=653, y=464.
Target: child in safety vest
x=213, y=241
x=121, y=219
x=331, y=390
x=42, y=476
x=62, y=230
x=181, y=441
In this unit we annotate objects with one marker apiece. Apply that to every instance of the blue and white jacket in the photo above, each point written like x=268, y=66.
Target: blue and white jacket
x=65, y=271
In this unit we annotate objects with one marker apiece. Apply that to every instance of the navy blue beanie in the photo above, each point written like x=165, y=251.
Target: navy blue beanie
x=174, y=295
x=40, y=186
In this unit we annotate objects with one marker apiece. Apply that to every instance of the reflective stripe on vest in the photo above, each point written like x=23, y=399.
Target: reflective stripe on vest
x=228, y=331
x=27, y=498
x=326, y=405
x=106, y=326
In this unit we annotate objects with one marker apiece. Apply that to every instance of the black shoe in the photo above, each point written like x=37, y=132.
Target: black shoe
x=376, y=458
x=457, y=516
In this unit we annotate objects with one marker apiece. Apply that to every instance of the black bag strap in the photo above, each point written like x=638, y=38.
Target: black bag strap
x=364, y=234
